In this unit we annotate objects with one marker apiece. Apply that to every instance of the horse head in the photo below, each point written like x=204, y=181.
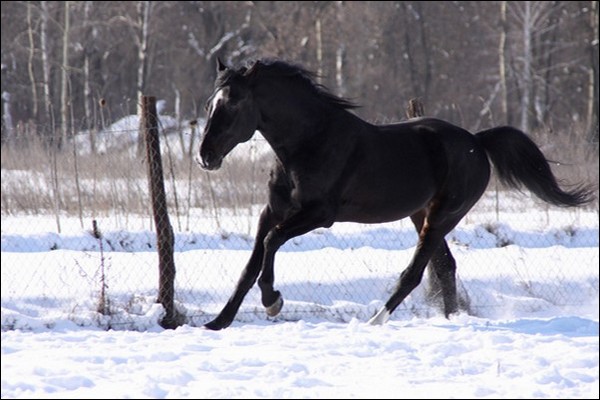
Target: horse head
x=232, y=115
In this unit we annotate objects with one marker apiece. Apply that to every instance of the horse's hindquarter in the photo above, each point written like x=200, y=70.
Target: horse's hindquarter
x=393, y=175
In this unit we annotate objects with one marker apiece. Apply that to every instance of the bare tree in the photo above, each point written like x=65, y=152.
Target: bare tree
x=378, y=53
x=219, y=32
x=532, y=57
x=592, y=113
x=86, y=73
x=30, y=60
x=46, y=63
x=502, y=62
x=64, y=89
x=144, y=9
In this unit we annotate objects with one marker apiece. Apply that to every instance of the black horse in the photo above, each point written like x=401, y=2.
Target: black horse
x=333, y=166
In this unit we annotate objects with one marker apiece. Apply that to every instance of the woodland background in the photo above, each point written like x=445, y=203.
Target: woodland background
x=73, y=73
x=530, y=64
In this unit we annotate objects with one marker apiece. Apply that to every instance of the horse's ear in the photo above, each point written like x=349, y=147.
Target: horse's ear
x=220, y=66
x=252, y=68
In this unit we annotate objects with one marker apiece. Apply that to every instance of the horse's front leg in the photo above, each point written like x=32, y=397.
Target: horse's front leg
x=249, y=275
x=304, y=221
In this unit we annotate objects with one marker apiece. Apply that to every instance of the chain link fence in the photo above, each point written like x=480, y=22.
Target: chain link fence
x=79, y=240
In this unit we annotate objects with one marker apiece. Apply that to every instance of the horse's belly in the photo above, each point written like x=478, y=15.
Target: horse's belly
x=388, y=188
x=366, y=218
x=379, y=210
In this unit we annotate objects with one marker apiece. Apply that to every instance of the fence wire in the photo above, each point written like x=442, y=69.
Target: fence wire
x=79, y=240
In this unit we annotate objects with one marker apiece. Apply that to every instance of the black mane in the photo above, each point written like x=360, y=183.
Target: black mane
x=282, y=68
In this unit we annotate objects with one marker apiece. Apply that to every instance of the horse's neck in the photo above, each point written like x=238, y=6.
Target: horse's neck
x=282, y=144
x=285, y=129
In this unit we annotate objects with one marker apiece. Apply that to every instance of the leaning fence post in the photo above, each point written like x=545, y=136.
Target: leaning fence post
x=164, y=231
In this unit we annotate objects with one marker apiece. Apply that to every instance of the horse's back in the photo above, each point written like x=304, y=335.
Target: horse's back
x=393, y=171
x=444, y=131
x=403, y=167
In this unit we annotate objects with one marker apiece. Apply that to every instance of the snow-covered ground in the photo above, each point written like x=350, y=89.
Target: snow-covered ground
x=467, y=357
x=531, y=280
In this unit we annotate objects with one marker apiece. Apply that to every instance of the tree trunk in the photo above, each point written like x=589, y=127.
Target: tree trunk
x=592, y=117
x=34, y=95
x=48, y=117
x=144, y=16
x=319, y=40
x=527, y=74
x=8, y=129
x=502, y=63
x=549, y=36
x=87, y=91
x=340, y=54
x=339, y=70
x=64, y=95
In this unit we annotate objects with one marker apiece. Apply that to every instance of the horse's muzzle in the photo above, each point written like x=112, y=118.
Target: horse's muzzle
x=209, y=162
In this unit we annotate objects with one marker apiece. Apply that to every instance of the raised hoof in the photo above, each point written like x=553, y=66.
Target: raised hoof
x=275, y=308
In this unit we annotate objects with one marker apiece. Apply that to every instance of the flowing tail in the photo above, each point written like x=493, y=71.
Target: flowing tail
x=519, y=161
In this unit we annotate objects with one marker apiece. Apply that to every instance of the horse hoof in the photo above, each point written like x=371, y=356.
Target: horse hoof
x=215, y=325
x=380, y=318
x=275, y=308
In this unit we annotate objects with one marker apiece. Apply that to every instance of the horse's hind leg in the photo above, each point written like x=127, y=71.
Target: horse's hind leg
x=443, y=278
x=442, y=271
x=249, y=275
x=435, y=226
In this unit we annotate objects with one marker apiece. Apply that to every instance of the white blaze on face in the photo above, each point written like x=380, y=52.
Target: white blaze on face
x=215, y=101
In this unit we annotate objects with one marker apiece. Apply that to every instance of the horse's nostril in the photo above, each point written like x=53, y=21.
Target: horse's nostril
x=206, y=156
x=209, y=161
x=198, y=159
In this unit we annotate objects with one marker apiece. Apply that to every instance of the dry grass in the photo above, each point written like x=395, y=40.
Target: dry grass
x=115, y=183
x=71, y=181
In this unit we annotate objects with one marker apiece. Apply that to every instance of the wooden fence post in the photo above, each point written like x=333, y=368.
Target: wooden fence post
x=164, y=231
